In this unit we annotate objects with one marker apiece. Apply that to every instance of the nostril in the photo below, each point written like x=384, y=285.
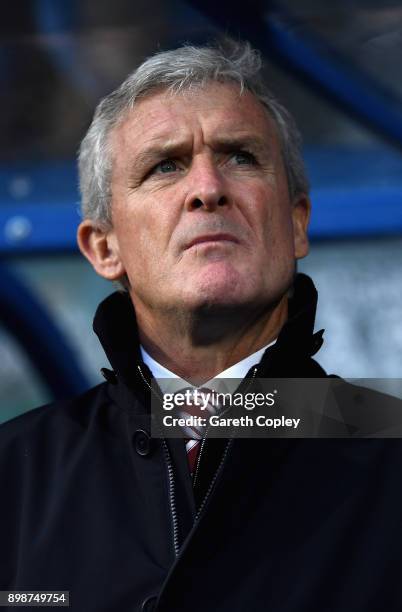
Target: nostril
x=197, y=203
x=222, y=201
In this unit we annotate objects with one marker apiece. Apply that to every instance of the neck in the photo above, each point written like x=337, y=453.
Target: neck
x=200, y=345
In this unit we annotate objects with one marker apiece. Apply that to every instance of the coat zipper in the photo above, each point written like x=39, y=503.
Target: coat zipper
x=172, y=495
x=212, y=483
x=172, y=492
x=222, y=461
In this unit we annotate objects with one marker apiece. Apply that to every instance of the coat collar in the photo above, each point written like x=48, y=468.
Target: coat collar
x=297, y=342
x=116, y=327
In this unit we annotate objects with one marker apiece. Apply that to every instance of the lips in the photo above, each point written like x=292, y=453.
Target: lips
x=205, y=238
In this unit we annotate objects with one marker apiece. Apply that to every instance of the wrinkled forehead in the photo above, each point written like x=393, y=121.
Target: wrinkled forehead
x=219, y=108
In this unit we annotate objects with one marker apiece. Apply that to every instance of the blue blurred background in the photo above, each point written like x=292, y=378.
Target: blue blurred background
x=336, y=66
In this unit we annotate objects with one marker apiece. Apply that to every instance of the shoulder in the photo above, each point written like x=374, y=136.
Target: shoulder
x=369, y=411
x=57, y=419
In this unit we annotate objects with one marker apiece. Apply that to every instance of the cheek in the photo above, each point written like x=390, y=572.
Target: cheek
x=142, y=230
x=274, y=228
x=273, y=216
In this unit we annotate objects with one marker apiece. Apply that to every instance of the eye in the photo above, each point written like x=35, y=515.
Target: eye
x=244, y=158
x=165, y=166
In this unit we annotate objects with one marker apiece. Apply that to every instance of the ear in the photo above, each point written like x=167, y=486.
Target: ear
x=301, y=216
x=100, y=247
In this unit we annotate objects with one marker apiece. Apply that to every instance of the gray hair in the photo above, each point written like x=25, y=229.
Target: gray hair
x=180, y=70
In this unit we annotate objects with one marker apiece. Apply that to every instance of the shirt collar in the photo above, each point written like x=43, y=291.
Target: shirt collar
x=168, y=380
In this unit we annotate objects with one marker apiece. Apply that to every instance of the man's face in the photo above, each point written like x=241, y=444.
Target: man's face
x=200, y=205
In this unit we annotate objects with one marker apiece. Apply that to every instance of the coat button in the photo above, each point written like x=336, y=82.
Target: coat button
x=149, y=604
x=142, y=442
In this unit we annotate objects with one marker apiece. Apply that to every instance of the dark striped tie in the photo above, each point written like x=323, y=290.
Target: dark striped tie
x=194, y=435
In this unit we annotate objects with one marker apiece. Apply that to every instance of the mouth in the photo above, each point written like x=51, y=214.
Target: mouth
x=212, y=238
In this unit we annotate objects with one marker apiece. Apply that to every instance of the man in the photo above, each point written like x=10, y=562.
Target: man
x=195, y=200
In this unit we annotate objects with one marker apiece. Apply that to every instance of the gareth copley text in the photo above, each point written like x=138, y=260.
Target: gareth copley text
x=215, y=420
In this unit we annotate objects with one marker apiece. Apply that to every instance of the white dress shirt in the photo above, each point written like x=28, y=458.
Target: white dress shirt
x=170, y=382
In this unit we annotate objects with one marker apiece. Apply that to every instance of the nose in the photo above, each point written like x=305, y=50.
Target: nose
x=207, y=189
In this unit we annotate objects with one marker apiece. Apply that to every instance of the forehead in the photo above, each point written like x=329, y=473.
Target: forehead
x=211, y=111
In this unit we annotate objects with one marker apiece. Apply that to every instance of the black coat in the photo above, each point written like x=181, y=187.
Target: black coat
x=90, y=503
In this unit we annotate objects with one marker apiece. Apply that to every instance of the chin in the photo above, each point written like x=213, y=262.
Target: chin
x=227, y=286
x=219, y=294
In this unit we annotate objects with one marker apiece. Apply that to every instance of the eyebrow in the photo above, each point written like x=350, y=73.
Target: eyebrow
x=157, y=152
x=221, y=144
x=246, y=141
